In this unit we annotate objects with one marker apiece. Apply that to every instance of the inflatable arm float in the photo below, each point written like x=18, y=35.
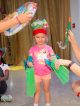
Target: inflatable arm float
x=30, y=79
x=27, y=7
x=62, y=73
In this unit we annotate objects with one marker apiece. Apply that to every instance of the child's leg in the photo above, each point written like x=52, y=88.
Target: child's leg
x=46, y=85
x=37, y=93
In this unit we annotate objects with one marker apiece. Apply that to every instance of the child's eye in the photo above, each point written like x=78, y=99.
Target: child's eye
x=43, y=37
x=37, y=37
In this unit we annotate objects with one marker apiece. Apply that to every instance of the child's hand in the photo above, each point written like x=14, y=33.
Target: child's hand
x=30, y=64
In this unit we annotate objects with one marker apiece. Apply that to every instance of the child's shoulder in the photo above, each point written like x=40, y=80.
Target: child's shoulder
x=48, y=46
x=33, y=47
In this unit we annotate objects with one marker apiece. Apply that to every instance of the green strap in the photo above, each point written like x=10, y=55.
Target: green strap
x=68, y=28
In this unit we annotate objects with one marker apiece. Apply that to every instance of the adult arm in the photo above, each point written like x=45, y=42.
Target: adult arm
x=74, y=45
x=22, y=18
x=74, y=67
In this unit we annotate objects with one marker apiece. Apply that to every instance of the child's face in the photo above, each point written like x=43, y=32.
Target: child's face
x=40, y=39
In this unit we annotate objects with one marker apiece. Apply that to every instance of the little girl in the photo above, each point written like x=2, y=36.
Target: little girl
x=40, y=52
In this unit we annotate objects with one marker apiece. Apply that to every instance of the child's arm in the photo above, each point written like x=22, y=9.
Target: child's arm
x=52, y=54
x=30, y=61
x=22, y=18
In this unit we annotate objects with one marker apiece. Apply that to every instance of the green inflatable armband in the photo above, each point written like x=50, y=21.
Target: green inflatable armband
x=64, y=44
x=62, y=73
x=30, y=82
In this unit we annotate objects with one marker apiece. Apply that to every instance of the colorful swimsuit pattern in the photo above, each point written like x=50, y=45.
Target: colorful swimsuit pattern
x=39, y=54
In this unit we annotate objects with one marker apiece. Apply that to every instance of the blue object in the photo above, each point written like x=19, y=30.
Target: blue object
x=48, y=62
x=25, y=64
x=57, y=56
x=21, y=9
x=30, y=59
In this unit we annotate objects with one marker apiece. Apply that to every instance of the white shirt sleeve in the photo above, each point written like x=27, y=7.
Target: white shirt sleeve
x=4, y=67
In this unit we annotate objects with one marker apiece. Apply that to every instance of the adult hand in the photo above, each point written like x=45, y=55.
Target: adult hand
x=33, y=3
x=71, y=36
x=60, y=62
x=57, y=63
x=25, y=17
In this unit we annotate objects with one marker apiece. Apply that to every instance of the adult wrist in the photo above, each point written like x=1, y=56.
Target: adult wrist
x=70, y=64
x=65, y=62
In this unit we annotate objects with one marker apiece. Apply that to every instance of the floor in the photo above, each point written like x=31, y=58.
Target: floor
x=61, y=95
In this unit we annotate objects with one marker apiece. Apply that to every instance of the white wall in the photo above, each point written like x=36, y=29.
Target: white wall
x=75, y=14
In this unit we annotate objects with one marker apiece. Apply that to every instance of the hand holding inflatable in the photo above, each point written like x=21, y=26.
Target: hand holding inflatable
x=62, y=73
x=24, y=17
x=29, y=7
x=63, y=45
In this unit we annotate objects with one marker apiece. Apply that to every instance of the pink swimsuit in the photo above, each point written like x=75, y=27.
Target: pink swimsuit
x=39, y=54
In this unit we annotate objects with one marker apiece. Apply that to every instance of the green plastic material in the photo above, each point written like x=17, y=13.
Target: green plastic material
x=39, y=24
x=62, y=73
x=30, y=82
x=67, y=29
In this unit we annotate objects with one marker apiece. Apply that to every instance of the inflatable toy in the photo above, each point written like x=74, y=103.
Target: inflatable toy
x=62, y=73
x=30, y=79
x=63, y=45
x=39, y=24
x=30, y=82
x=27, y=7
